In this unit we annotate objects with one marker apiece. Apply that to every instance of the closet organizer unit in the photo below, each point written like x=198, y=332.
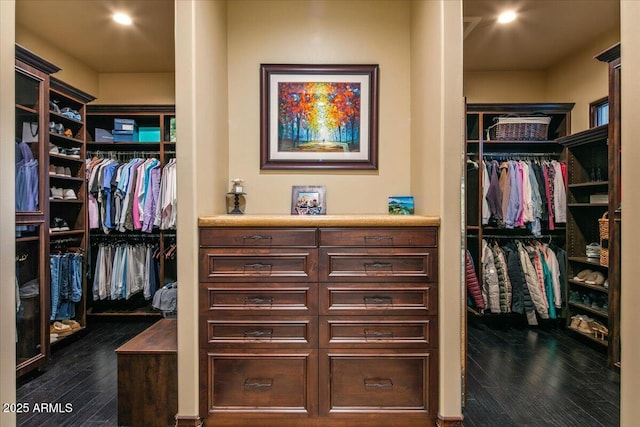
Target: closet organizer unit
x=515, y=226
x=132, y=254
x=593, y=217
x=47, y=228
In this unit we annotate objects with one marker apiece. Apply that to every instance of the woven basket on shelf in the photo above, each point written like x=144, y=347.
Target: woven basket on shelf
x=603, y=226
x=531, y=128
x=604, y=255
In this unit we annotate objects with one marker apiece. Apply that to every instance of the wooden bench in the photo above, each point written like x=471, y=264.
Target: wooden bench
x=148, y=377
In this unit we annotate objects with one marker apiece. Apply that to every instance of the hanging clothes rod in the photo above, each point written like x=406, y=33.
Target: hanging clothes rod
x=522, y=154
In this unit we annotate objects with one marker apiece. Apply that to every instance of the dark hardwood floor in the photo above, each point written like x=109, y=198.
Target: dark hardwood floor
x=82, y=373
x=542, y=376
x=517, y=376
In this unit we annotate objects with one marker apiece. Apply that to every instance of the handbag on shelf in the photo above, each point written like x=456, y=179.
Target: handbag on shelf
x=29, y=131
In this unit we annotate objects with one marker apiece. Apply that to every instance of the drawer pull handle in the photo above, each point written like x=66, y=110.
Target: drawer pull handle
x=258, y=269
x=258, y=383
x=378, y=383
x=258, y=334
x=378, y=300
x=377, y=334
x=258, y=300
x=378, y=238
x=379, y=265
x=256, y=238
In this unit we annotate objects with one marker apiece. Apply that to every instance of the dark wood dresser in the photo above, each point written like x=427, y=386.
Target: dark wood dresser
x=319, y=321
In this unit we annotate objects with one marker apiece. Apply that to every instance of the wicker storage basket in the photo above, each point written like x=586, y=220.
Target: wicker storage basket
x=530, y=128
x=604, y=253
x=603, y=226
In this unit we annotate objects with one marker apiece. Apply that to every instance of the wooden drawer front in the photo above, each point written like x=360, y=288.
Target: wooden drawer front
x=378, y=299
x=258, y=237
x=263, y=382
x=376, y=332
x=259, y=299
x=379, y=237
x=277, y=264
x=383, y=381
x=350, y=264
x=274, y=332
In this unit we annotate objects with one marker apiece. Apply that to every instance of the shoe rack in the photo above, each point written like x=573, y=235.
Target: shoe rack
x=67, y=184
x=38, y=233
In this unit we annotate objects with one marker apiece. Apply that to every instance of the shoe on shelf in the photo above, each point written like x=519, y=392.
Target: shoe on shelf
x=73, y=152
x=582, y=275
x=56, y=193
x=74, y=325
x=68, y=133
x=593, y=250
x=53, y=106
x=595, y=278
x=59, y=328
x=69, y=194
x=52, y=170
x=58, y=224
x=53, y=149
x=72, y=114
x=67, y=171
x=60, y=170
x=59, y=128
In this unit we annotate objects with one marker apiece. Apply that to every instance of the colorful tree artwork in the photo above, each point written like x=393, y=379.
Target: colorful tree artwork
x=319, y=116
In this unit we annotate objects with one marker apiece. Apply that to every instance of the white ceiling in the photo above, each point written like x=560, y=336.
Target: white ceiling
x=546, y=31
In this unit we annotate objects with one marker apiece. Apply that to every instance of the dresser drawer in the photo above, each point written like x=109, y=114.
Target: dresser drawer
x=379, y=237
x=262, y=382
x=377, y=381
x=258, y=237
x=258, y=333
x=390, y=264
x=247, y=266
x=378, y=298
x=229, y=299
x=377, y=332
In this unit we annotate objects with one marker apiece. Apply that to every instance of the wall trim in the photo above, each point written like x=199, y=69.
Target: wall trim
x=188, y=421
x=449, y=421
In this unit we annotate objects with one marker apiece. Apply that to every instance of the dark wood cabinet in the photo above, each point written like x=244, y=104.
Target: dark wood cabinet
x=318, y=325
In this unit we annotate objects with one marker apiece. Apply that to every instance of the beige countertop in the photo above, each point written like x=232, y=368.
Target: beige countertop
x=318, y=221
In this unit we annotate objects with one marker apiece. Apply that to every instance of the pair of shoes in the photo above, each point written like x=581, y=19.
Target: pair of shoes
x=68, y=133
x=59, y=328
x=593, y=250
x=58, y=224
x=53, y=106
x=56, y=128
x=73, y=153
x=582, y=275
x=53, y=149
x=62, y=194
x=71, y=114
x=599, y=330
x=595, y=278
x=74, y=325
x=59, y=170
x=582, y=323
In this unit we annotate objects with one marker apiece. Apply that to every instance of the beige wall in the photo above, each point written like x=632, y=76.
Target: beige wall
x=7, y=212
x=108, y=88
x=136, y=88
x=630, y=292
x=578, y=78
x=504, y=86
x=72, y=71
x=308, y=32
x=581, y=79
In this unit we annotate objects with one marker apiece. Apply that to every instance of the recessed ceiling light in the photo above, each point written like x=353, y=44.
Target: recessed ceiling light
x=122, y=18
x=506, y=17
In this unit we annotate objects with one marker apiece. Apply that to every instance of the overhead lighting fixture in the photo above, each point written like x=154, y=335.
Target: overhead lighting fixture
x=122, y=18
x=506, y=17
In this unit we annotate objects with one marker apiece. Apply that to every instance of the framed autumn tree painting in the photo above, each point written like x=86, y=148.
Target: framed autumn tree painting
x=318, y=116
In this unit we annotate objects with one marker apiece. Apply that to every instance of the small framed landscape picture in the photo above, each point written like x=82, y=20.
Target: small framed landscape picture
x=308, y=200
x=401, y=205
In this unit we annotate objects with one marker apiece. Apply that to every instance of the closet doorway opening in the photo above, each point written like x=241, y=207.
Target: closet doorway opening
x=520, y=69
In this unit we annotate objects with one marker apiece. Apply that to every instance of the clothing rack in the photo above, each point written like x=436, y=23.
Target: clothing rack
x=123, y=155
x=520, y=154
